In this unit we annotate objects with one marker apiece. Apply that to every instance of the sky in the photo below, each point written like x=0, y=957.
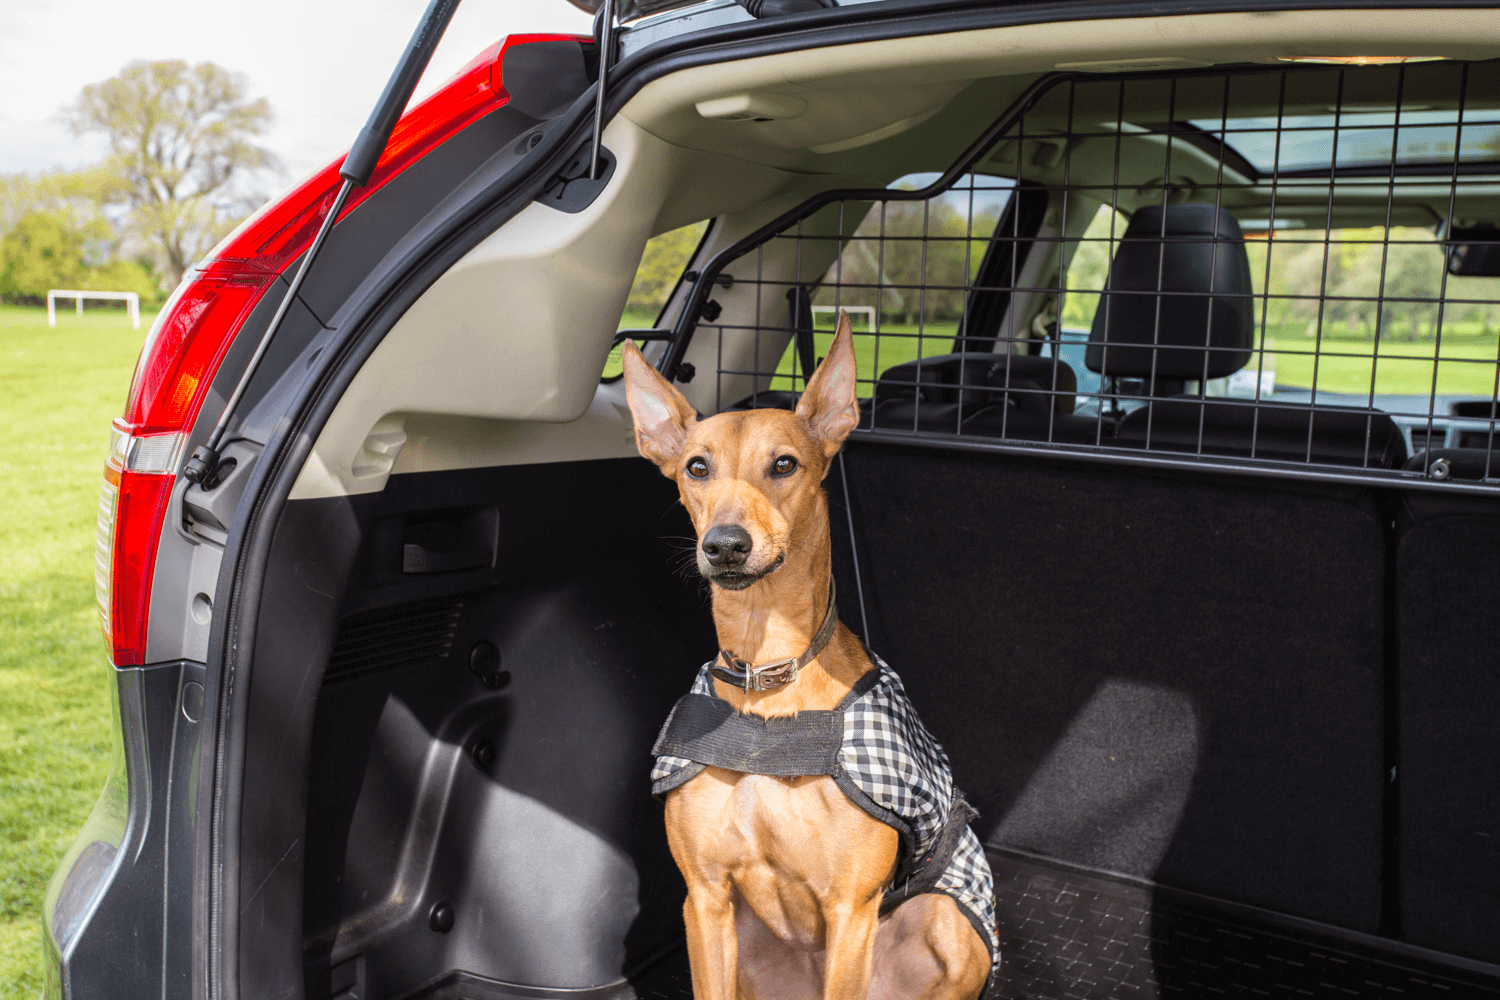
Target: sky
x=321, y=63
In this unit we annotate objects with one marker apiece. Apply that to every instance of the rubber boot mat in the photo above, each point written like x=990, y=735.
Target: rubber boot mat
x=1069, y=934
x=663, y=977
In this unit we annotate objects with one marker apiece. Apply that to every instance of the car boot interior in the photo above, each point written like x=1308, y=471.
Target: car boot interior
x=1212, y=668
x=1181, y=686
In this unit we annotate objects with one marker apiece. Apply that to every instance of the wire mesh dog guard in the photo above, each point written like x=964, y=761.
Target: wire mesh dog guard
x=1292, y=269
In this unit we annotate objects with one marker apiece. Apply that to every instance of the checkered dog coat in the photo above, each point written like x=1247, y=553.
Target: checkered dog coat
x=877, y=750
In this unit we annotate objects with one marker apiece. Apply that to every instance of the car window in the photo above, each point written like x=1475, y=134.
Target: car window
x=663, y=262
x=905, y=276
x=1355, y=138
x=1374, y=332
x=1328, y=342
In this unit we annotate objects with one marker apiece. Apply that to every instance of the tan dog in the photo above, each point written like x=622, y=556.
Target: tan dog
x=785, y=875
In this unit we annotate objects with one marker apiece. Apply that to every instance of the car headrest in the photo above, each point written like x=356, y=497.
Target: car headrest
x=1179, y=288
x=979, y=379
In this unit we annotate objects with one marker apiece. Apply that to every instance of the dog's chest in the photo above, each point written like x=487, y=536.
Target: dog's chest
x=744, y=821
x=743, y=824
x=788, y=845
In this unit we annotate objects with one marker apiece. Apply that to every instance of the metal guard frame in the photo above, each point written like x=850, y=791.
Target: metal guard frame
x=1310, y=471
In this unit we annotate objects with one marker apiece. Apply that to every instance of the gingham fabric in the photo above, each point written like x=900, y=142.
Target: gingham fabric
x=890, y=766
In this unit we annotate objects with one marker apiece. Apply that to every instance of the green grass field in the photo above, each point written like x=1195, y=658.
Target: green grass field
x=1467, y=364
x=59, y=389
x=1346, y=361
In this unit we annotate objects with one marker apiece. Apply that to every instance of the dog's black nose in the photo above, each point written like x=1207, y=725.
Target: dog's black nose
x=726, y=545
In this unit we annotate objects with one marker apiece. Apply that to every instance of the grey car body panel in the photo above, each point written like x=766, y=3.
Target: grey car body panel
x=114, y=915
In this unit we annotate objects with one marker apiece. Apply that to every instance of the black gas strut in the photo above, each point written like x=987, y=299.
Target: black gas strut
x=358, y=166
x=606, y=45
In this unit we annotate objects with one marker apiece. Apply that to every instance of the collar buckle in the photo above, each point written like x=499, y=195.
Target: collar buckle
x=766, y=677
x=769, y=676
x=777, y=673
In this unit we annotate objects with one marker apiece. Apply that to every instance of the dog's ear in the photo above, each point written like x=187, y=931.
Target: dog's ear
x=662, y=415
x=828, y=404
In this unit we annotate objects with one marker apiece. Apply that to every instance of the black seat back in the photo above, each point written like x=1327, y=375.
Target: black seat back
x=1175, y=678
x=1447, y=578
x=1015, y=395
x=1178, y=307
x=1333, y=435
x=975, y=380
x=1178, y=301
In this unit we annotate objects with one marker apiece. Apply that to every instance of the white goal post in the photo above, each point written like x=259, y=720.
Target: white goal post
x=131, y=299
x=868, y=312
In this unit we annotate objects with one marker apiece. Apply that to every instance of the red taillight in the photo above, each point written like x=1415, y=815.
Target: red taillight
x=278, y=233
x=190, y=336
x=132, y=506
x=199, y=322
x=185, y=347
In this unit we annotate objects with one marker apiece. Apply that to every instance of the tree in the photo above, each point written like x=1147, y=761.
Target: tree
x=181, y=138
x=42, y=250
x=1414, y=272
x=1088, y=271
x=45, y=250
x=54, y=233
x=661, y=264
x=911, y=259
x=81, y=193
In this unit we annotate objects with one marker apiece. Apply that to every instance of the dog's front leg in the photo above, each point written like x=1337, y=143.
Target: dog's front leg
x=850, y=951
x=713, y=950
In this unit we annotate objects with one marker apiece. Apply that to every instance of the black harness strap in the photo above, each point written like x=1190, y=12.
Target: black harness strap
x=706, y=730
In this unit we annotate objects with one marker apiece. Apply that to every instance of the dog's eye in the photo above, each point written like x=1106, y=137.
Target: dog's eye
x=697, y=468
x=784, y=465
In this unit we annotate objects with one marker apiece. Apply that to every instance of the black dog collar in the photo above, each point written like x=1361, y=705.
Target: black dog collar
x=779, y=673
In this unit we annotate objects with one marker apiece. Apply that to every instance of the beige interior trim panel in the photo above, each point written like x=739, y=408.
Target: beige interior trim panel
x=516, y=333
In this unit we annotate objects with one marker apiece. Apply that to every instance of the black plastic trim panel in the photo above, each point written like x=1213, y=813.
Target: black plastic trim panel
x=464, y=217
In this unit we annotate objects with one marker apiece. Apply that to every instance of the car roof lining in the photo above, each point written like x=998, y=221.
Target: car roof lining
x=854, y=90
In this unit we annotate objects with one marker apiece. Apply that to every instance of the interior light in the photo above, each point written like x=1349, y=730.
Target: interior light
x=1358, y=60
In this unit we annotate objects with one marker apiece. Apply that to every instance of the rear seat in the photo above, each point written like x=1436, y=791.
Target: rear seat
x=994, y=395
x=1177, y=308
x=1447, y=580
x=1335, y=435
x=984, y=394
